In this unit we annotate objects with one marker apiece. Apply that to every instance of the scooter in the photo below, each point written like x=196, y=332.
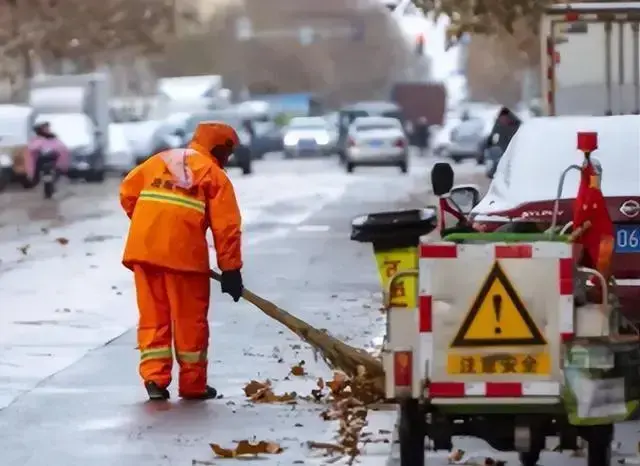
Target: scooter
x=47, y=163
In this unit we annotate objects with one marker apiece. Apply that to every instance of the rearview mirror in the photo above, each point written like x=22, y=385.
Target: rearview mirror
x=465, y=198
x=441, y=178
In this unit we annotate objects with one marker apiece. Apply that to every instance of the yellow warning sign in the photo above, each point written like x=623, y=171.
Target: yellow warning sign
x=498, y=317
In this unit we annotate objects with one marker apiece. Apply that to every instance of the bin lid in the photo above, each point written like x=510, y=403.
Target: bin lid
x=402, y=227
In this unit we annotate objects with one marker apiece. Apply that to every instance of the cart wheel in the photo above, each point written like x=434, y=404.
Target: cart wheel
x=599, y=445
x=529, y=458
x=411, y=432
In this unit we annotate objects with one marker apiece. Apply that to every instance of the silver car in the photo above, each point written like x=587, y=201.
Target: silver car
x=469, y=140
x=308, y=136
x=377, y=141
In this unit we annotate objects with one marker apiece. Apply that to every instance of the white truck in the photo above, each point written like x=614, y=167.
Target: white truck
x=590, y=58
x=503, y=346
x=83, y=94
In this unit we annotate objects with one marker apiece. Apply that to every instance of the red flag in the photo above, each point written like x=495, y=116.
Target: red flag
x=592, y=225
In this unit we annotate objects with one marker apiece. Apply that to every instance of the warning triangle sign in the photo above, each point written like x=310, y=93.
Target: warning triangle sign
x=498, y=317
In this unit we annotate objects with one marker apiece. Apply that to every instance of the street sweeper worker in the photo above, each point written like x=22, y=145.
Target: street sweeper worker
x=172, y=199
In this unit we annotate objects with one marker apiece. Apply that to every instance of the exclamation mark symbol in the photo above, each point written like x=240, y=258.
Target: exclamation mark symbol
x=497, y=309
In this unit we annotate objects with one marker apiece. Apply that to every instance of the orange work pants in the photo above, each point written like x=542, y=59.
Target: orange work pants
x=173, y=310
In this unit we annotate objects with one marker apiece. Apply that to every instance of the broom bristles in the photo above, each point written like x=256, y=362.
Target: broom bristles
x=336, y=354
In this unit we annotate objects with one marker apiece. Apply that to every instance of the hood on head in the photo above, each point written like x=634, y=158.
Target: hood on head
x=211, y=133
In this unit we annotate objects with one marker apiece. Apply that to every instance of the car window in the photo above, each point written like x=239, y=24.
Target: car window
x=346, y=118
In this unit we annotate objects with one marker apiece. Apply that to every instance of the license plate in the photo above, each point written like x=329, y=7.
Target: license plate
x=499, y=364
x=376, y=143
x=47, y=177
x=627, y=239
x=83, y=166
x=306, y=144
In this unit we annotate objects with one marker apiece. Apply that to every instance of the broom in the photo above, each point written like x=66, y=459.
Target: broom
x=336, y=354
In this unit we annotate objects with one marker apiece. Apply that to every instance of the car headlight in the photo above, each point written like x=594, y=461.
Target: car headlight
x=6, y=161
x=290, y=140
x=322, y=139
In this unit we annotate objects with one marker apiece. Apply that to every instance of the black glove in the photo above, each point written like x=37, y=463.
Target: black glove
x=231, y=283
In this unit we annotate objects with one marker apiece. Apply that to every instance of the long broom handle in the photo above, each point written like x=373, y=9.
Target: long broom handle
x=290, y=321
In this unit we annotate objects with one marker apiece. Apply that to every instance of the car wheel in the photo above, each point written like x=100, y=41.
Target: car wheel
x=456, y=159
x=404, y=167
x=95, y=176
x=480, y=159
x=350, y=166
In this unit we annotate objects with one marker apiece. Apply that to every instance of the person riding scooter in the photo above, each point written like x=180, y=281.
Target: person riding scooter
x=44, y=141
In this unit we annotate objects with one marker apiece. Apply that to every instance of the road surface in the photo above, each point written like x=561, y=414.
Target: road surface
x=69, y=388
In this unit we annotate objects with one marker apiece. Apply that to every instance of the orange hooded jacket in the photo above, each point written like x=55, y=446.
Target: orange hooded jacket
x=172, y=199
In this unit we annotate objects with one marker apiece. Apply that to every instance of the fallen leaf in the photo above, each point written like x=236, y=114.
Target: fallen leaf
x=24, y=249
x=254, y=386
x=62, y=241
x=298, y=370
x=261, y=392
x=246, y=448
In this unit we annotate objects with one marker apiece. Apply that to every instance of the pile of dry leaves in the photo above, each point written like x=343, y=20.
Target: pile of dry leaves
x=349, y=398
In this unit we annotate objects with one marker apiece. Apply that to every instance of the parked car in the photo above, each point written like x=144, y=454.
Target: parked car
x=152, y=136
x=521, y=196
x=120, y=157
x=349, y=113
x=16, y=128
x=468, y=141
x=78, y=133
x=241, y=157
x=307, y=136
x=377, y=141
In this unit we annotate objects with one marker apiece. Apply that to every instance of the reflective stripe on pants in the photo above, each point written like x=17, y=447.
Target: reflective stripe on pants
x=156, y=353
x=192, y=357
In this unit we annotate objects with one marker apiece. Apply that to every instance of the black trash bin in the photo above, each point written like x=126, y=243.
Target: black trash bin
x=395, y=237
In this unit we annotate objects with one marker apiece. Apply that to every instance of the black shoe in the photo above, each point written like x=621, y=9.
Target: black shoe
x=210, y=393
x=155, y=392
